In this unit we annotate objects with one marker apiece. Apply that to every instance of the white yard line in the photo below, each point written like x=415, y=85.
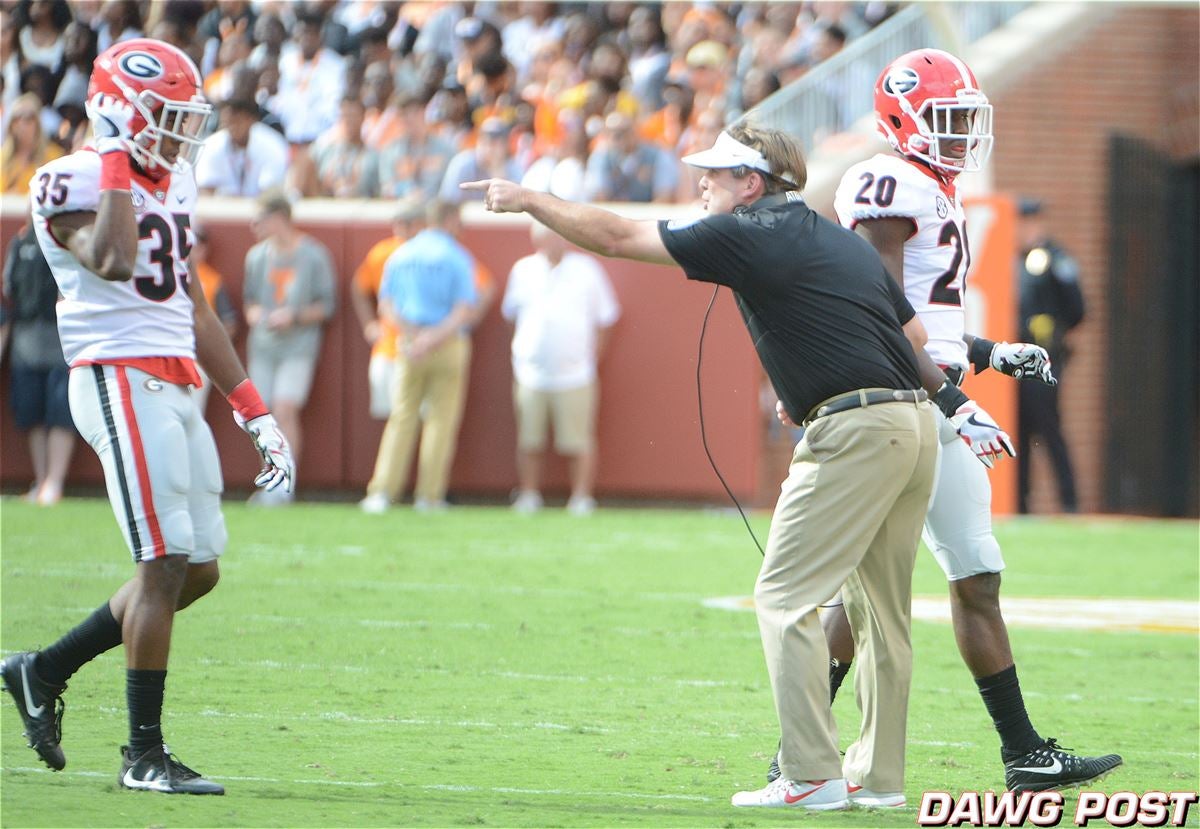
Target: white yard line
x=432, y=787
x=1052, y=612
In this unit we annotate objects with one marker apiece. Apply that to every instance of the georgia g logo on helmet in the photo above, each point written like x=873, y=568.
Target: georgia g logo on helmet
x=141, y=65
x=901, y=81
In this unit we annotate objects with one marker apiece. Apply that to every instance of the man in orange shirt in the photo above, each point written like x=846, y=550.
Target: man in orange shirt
x=379, y=333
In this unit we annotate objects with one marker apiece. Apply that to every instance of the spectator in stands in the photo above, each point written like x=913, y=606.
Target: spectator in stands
x=449, y=113
x=289, y=294
x=490, y=89
x=269, y=35
x=26, y=146
x=828, y=39
x=562, y=306
x=215, y=293
x=487, y=159
x=42, y=82
x=29, y=329
x=536, y=22
x=119, y=20
x=625, y=168
x=382, y=122
x=40, y=26
x=757, y=86
x=377, y=328
x=79, y=53
x=236, y=46
x=667, y=126
x=244, y=158
x=562, y=171
x=708, y=74
x=649, y=60
x=223, y=16
x=413, y=164
x=478, y=39
x=341, y=165
x=373, y=48
x=311, y=82
x=428, y=294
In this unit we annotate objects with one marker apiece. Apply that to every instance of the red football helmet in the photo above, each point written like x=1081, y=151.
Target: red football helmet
x=163, y=85
x=928, y=105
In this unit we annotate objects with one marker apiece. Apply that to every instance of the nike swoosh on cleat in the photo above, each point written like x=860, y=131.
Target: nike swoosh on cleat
x=155, y=783
x=33, y=712
x=1053, y=768
x=787, y=798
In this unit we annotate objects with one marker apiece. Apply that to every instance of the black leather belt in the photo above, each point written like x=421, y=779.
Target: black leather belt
x=862, y=398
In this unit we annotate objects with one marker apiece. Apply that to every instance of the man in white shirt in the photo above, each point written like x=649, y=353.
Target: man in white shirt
x=312, y=82
x=563, y=306
x=245, y=158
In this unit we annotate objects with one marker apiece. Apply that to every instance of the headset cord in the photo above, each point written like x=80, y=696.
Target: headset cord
x=703, y=436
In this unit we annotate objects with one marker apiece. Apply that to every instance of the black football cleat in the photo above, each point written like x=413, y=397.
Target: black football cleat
x=158, y=770
x=773, y=772
x=1049, y=766
x=41, y=707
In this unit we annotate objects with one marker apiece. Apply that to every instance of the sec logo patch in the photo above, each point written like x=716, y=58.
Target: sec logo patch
x=943, y=209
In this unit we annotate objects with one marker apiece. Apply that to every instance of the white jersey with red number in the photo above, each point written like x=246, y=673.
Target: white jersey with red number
x=936, y=256
x=151, y=314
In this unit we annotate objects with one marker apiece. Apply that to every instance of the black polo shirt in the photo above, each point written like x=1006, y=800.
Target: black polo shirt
x=824, y=314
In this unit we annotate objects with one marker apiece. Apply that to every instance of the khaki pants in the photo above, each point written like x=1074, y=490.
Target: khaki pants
x=849, y=513
x=428, y=394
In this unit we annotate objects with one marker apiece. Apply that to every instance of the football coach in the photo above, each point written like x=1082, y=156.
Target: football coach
x=839, y=343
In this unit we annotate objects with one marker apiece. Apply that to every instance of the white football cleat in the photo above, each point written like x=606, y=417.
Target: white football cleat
x=868, y=799
x=818, y=795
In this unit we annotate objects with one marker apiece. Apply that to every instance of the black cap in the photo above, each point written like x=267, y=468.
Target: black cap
x=1029, y=206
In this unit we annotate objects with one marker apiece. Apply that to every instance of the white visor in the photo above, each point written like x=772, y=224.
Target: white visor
x=727, y=153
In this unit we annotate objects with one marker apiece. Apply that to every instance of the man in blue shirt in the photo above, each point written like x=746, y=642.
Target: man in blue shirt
x=428, y=293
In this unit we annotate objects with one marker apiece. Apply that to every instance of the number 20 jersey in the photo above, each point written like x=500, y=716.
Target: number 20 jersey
x=150, y=315
x=936, y=255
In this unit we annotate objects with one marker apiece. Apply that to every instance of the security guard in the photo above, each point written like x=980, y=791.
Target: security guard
x=841, y=345
x=1051, y=305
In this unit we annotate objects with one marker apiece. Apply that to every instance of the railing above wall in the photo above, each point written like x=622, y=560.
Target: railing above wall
x=831, y=96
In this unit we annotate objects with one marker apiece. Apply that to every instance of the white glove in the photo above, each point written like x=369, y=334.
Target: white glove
x=1022, y=360
x=111, y=118
x=278, y=467
x=986, y=439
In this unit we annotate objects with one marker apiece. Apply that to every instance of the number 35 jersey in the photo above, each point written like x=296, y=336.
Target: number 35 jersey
x=150, y=315
x=936, y=255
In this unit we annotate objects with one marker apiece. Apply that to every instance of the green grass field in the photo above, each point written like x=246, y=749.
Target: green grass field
x=479, y=668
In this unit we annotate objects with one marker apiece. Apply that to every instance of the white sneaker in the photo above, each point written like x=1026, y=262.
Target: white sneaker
x=527, y=502
x=426, y=505
x=874, y=800
x=376, y=504
x=819, y=795
x=581, y=505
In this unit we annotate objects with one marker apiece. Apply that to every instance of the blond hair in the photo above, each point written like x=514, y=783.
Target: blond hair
x=783, y=155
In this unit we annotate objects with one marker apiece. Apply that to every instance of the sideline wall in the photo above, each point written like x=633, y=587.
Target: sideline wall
x=649, y=438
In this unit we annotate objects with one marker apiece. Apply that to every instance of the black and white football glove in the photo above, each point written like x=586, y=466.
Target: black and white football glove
x=278, y=467
x=1022, y=361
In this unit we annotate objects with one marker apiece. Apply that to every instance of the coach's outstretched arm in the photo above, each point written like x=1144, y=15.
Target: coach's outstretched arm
x=593, y=228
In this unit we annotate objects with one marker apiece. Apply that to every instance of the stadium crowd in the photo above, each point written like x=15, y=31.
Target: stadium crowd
x=375, y=98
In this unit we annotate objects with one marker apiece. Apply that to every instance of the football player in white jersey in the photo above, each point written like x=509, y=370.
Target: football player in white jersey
x=906, y=204
x=114, y=221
